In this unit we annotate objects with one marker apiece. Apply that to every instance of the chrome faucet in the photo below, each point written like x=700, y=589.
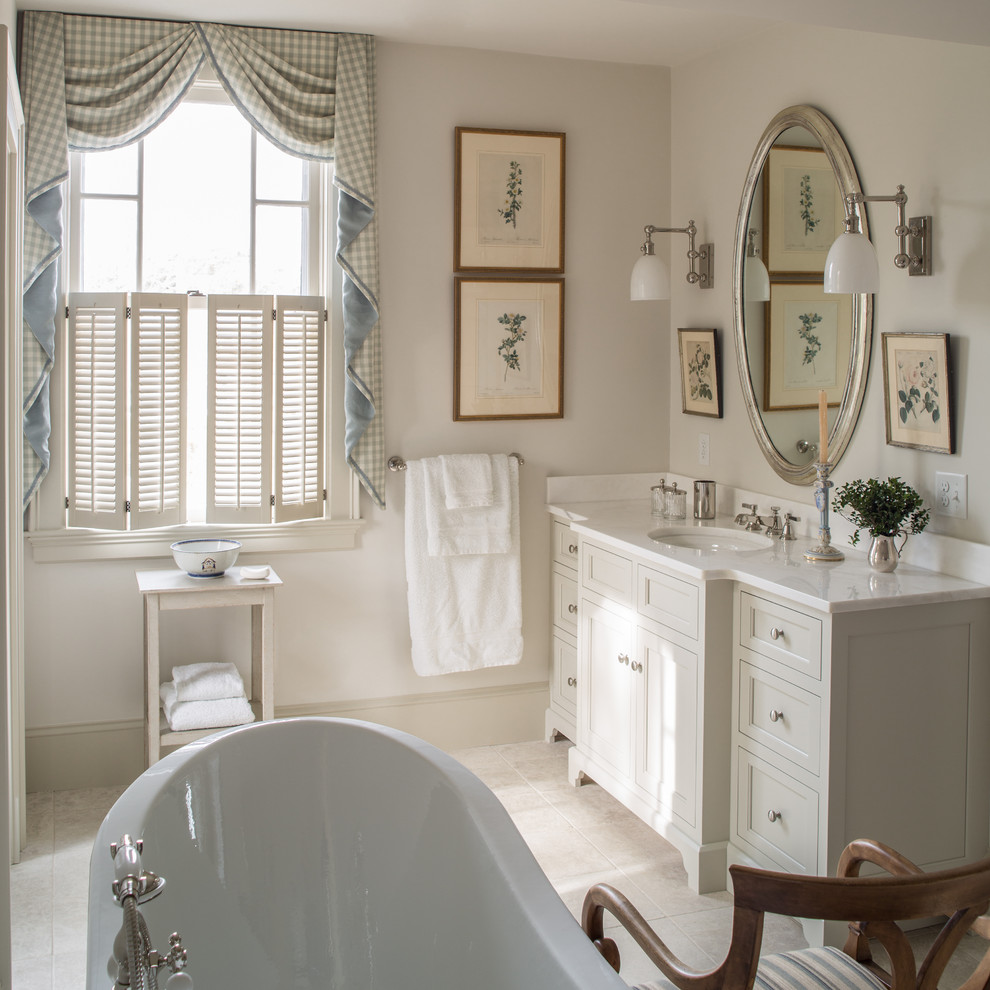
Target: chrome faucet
x=787, y=533
x=752, y=522
x=743, y=517
x=775, y=527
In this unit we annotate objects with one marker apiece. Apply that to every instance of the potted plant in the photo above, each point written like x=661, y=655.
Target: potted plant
x=887, y=509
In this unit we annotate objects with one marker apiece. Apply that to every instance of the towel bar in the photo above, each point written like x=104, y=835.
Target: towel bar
x=398, y=464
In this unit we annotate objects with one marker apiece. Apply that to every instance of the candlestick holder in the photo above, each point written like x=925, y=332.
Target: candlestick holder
x=824, y=551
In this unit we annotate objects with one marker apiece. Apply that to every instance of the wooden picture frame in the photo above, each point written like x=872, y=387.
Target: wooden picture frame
x=808, y=346
x=805, y=211
x=508, y=201
x=701, y=375
x=508, y=348
x=917, y=388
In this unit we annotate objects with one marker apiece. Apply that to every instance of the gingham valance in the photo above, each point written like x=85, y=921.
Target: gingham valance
x=93, y=83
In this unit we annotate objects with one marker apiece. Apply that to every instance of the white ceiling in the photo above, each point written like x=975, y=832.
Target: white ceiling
x=658, y=32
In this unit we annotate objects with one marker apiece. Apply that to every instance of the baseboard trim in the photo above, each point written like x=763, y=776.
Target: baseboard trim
x=106, y=754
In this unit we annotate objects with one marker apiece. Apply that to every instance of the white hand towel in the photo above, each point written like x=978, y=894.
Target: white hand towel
x=467, y=480
x=465, y=610
x=215, y=714
x=207, y=681
x=479, y=529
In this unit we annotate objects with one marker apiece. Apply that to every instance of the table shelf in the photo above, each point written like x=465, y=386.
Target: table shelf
x=169, y=590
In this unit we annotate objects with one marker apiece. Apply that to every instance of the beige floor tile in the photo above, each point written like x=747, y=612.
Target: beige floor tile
x=539, y=818
x=631, y=843
x=529, y=752
x=479, y=758
x=589, y=805
x=572, y=892
x=566, y=853
x=636, y=966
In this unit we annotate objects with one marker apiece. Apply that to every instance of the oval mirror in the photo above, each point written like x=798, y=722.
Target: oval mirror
x=793, y=340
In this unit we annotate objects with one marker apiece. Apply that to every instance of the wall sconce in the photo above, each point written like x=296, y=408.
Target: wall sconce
x=851, y=265
x=650, y=278
x=756, y=280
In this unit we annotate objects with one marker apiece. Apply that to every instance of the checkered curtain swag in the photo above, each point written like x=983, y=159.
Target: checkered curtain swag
x=94, y=83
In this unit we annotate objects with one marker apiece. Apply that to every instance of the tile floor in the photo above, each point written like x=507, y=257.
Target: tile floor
x=579, y=836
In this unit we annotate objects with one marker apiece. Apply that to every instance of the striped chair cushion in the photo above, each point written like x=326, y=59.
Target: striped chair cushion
x=804, y=969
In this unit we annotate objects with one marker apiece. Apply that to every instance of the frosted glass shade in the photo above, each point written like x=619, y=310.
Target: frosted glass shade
x=650, y=279
x=756, y=281
x=851, y=265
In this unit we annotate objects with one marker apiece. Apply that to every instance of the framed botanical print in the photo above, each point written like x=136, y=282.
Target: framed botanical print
x=701, y=385
x=804, y=211
x=508, y=201
x=916, y=387
x=809, y=335
x=508, y=348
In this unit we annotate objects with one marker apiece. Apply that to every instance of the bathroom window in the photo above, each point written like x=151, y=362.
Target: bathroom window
x=194, y=379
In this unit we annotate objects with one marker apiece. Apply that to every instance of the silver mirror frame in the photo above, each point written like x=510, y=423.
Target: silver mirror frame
x=862, y=335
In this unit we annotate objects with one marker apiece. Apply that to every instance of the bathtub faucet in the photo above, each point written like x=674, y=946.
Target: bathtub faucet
x=135, y=963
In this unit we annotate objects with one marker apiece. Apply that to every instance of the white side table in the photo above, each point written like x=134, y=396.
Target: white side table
x=165, y=590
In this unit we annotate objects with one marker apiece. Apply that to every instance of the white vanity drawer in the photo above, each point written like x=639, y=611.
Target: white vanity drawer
x=781, y=633
x=565, y=545
x=608, y=574
x=565, y=599
x=781, y=716
x=565, y=672
x=776, y=815
x=669, y=600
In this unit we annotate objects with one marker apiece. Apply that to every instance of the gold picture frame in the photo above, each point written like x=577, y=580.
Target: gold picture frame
x=508, y=348
x=917, y=388
x=808, y=346
x=508, y=201
x=805, y=212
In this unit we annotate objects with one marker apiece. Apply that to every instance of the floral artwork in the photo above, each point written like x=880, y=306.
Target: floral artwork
x=700, y=387
x=807, y=203
x=508, y=201
x=513, y=194
x=812, y=343
x=508, y=348
x=699, y=373
x=513, y=323
x=916, y=388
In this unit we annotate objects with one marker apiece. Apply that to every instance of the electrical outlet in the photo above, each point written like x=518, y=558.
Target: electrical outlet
x=704, y=445
x=950, y=495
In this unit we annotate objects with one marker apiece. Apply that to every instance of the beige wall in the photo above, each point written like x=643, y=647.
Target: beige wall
x=342, y=633
x=911, y=112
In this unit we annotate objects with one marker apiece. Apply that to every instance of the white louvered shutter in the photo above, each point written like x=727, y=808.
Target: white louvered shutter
x=158, y=434
x=97, y=409
x=239, y=446
x=300, y=394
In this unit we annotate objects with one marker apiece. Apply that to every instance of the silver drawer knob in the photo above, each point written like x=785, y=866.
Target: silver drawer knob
x=638, y=667
x=572, y=548
x=776, y=715
x=623, y=658
x=776, y=633
x=572, y=682
x=572, y=609
x=774, y=816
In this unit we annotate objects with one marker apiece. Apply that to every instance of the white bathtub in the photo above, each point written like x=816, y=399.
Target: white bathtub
x=334, y=854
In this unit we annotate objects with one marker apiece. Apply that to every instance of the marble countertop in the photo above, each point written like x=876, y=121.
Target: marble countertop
x=847, y=585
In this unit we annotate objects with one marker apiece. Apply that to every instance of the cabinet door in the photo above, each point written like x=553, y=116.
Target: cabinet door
x=564, y=683
x=605, y=684
x=666, y=738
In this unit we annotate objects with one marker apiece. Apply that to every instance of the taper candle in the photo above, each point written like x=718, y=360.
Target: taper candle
x=822, y=427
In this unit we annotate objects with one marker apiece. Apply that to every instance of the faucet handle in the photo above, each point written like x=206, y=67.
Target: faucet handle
x=751, y=506
x=787, y=533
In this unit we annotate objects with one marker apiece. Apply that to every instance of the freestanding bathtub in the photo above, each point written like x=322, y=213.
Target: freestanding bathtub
x=331, y=854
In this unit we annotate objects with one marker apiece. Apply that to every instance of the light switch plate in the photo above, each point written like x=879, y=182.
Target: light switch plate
x=704, y=449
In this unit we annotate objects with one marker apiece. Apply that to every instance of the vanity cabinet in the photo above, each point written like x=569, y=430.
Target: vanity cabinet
x=562, y=712
x=652, y=713
x=868, y=723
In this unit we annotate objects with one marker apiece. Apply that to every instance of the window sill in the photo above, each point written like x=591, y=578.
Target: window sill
x=62, y=545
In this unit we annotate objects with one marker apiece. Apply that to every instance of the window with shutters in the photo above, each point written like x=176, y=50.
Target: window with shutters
x=195, y=371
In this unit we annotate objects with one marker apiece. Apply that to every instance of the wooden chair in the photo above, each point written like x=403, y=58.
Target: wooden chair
x=961, y=895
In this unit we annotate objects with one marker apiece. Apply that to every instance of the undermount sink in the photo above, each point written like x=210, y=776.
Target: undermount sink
x=710, y=538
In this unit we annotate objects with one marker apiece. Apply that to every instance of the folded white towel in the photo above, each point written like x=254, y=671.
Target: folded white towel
x=465, y=610
x=467, y=480
x=215, y=714
x=207, y=681
x=478, y=529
